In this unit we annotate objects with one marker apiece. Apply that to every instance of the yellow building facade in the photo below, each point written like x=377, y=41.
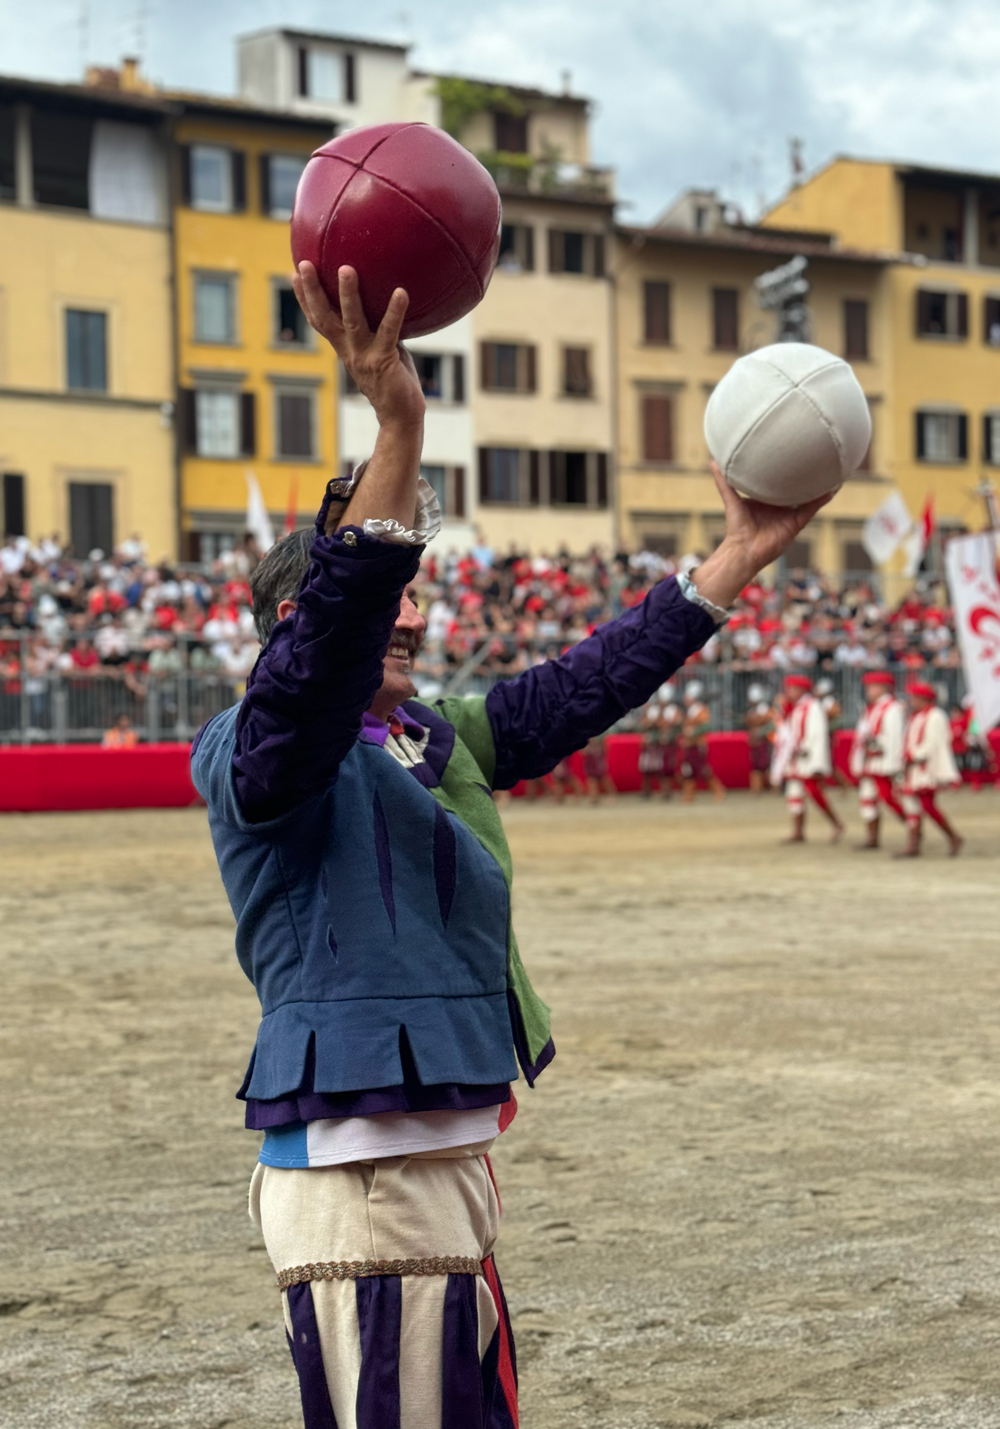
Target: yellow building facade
x=941, y=229
x=257, y=388
x=685, y=311
x=86, y=370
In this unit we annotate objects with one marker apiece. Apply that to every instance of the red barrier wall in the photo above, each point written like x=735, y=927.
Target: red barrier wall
x=85, y=776
x=157, y=776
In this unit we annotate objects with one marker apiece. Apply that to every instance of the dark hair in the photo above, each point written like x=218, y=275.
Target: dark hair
x=277, y=577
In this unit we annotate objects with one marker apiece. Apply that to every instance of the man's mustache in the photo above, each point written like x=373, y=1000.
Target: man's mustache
x=408, y=639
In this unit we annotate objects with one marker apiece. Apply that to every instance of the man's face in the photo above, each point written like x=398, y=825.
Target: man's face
x=875, y=692
x=397, y=682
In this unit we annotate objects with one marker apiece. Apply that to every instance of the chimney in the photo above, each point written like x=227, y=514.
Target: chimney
x=129, y=77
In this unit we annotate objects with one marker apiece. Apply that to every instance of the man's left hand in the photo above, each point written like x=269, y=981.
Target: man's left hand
x=756, y=535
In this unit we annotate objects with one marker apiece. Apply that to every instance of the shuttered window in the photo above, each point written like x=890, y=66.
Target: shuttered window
x=658, y=428
x=91, y=517
x=942, y=437
x=500, y=471
x=855, y=330
x=60, y=158
x=991, y=438
x=86, y=350
x=507, y=367
x=294, y=425
x=572, y=251
x=725, y=319
x=576, y=372
x=991, y=321
x=517, y=248
x=942, y=314
x=656, y=312
x=13, y=505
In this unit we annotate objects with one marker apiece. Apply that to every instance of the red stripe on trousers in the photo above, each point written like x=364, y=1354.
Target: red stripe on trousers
x=505, y=1367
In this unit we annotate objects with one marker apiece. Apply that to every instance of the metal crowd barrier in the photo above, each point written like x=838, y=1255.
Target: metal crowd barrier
x=65, y=708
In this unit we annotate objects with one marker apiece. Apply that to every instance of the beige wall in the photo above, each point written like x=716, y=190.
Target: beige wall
x=551, y=127
x=552, y=311
x=678, y=498
x=866, y=203
x=860, y=200
x=50, y=261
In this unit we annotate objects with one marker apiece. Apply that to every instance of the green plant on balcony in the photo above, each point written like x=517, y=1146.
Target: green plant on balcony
x=463, y=98
x=514, y=170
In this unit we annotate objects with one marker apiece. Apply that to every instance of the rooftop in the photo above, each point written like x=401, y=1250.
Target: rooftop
x=749, y=238
x=326, y=37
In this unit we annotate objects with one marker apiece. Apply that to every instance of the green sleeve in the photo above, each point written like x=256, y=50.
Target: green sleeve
x=467, y=714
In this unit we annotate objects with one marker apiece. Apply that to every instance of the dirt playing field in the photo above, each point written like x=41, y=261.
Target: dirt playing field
x=759, y=1185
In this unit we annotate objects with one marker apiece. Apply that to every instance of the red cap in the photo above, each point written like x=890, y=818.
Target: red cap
x=922, y=691
x=798, y=682
x=877, y=677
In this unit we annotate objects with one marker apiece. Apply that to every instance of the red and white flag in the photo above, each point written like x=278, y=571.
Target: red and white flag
x=971, y=566
x=917, y=543
x=292, y=508
x=886, y=528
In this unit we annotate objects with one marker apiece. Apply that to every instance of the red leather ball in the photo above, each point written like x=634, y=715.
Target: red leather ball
x=407, y=207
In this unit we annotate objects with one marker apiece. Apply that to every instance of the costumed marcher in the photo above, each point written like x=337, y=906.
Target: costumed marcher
x=760, y=723
x=695, y=764
x=671, y=728
x=651, y=753
x=826, y=692
x=809, y=757
x=595, y=770
x=365, y=862
x=566, y=783
x=929, y=765
x=877, y=752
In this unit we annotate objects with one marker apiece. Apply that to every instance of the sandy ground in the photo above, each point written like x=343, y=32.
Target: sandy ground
x=758, y=1187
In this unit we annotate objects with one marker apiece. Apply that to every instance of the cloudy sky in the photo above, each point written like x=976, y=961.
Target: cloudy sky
x=707, y=93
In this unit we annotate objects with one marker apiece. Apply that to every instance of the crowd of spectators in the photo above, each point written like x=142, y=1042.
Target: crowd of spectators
x=121, y=616
x=506, y=612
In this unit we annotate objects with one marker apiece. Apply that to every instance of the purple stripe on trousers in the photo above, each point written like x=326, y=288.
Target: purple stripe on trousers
x=383, y=854
x=380, y=1313
x=317, y=1411
x=461, y=1374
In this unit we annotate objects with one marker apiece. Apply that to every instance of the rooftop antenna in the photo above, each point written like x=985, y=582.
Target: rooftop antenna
x=566, y=76
x=84, y=24
x=795, y=148
x=141, y=24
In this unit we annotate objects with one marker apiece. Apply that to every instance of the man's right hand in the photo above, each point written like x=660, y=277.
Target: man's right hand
x=382, y=369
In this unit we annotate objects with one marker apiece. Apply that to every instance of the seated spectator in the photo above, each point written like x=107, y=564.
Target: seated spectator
x=121, y=735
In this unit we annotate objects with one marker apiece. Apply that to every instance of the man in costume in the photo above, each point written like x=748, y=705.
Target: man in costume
x=760, y=722
x=696, y=766
x=364, y=859
x=877, y=752
x=808, y=757
x=928, y=765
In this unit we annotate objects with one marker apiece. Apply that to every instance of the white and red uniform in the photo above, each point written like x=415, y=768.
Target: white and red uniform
x=877, y=755
x=929, y=761
x=808, y=735
x=929, y=765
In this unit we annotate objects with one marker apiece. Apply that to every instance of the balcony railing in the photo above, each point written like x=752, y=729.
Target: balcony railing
x=541, y=176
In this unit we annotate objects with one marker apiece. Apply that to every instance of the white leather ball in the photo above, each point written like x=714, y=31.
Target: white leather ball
x=788, y=423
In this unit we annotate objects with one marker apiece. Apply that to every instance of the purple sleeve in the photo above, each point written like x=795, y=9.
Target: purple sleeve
x=552, y=710
x=319, y=671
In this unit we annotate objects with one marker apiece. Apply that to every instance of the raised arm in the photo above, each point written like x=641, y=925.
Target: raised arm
x=554, y=708
x=322, y=664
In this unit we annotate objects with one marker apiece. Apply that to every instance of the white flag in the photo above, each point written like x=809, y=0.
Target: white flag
x=971, y=566
x=258, y=521
x=886, y=528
